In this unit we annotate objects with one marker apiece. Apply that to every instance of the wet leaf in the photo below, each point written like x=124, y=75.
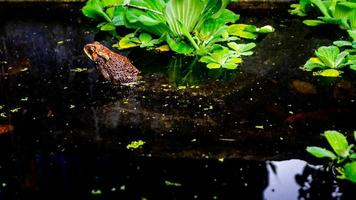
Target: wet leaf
x=265, y=29
x=179, y=46
x=328, y=55
x=321, y=152
x=342, y=43
x=6, y=128
x=145, y=37
x=125, y=43
x=311, y=22
x=337, y=141
x=213, y=66
x=163, y=48
x=350, y=171
x=313, y=63
x=228, y=66
x=303, y=87
x=329, y=73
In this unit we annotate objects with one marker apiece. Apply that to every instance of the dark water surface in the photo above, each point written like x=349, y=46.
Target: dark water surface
x=243, y=134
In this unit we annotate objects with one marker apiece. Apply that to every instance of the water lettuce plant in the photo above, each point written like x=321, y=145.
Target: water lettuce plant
x=203, y=28
x=342, y=155
x=330, y=60
x=339, y=12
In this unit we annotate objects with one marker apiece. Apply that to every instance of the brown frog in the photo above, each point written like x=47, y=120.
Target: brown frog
x=114, y=67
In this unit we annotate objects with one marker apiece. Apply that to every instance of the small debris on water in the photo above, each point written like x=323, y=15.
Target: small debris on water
x=259, y=127
x=3, y=115
x=96, y=192
x=169, y=183
x=123, y=188
x=182, y=87
x=15, y=110
x=135, y=144
x=78, y=69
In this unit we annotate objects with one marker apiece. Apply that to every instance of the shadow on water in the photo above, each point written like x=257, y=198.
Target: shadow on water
x=206, y=138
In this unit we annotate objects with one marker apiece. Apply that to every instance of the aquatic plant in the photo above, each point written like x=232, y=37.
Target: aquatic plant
x=330, y=60
x=343, y=156
x=189, y=27
x=339, y=12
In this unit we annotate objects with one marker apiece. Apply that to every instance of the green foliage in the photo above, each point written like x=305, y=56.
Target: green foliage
x=189, y=27
x=330, y=60
x=339, y=12
x=343, y=154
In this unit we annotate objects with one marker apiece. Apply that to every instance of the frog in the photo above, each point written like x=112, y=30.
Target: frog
x=114, y=67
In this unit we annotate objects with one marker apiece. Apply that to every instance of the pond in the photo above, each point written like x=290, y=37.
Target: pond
x=205, y=134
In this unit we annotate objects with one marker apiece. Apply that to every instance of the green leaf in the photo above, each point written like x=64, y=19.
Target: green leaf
x=321, y=152
x=355, y=135
x=321, y=6
x=342, y=43
x=328, y=55
x=340, y=59
x=95, y=9
x=241, y=47
x=147, y=20
x=229, y=66
x=213, y=66
x=187, y=13
x=311, y=22
x=243, y=31
x=145, y=37
x=206, y=59
x=329, y=73
x=352, y=34
x=179, y=46
x=107, y=27
x=314, y=63
x=353, y=156
x=348, y=4
x=337, y=141
x=350, y=171
x=235, y=60
x=265, y=29
x=126, y=42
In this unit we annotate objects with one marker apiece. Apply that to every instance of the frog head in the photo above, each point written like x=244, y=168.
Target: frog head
x=96, y=51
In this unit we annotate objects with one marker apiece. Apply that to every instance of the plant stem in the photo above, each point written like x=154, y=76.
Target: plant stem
x=143, y=8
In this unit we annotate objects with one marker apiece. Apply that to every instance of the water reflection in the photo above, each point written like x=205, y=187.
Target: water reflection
x=281, y=179
x=297, y=179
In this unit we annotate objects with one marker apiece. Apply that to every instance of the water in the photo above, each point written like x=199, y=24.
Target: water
x=244, y=133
